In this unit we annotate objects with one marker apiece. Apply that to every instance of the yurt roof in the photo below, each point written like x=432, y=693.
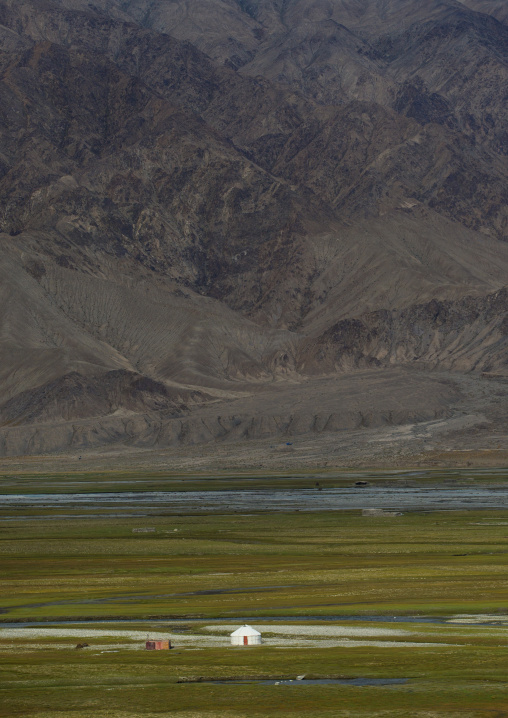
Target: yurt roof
x=246, y=631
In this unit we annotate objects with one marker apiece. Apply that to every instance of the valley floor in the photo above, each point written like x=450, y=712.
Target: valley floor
x=418, y=598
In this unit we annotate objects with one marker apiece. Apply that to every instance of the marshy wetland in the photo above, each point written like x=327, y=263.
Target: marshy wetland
x=383, y=616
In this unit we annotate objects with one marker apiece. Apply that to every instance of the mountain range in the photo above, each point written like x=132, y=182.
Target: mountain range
x=226, y=221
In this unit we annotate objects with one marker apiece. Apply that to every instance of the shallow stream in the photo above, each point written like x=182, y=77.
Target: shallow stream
x=146, y=503
x=316, y=682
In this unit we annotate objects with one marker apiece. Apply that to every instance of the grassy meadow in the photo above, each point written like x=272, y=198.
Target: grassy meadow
x=195, y=568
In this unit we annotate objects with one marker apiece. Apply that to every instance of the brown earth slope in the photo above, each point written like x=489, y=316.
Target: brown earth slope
x=232, y=220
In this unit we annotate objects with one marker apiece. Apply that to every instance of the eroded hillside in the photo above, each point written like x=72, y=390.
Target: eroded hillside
x=209, y=207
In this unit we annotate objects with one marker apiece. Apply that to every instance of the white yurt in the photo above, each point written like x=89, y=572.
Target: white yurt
x=246, y=636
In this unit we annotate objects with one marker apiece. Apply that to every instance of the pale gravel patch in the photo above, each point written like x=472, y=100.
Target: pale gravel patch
x=322, y=637
x=84, y=633
x=94, y=648
x=329, y=631
x=347, y=642
x=468, y=619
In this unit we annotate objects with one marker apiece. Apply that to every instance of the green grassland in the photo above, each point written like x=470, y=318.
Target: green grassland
x=234, y=566
x=265, y=564
x=454, y=681
x=103, y=482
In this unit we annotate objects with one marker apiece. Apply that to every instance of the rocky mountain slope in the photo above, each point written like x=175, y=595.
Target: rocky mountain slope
x=209, y=207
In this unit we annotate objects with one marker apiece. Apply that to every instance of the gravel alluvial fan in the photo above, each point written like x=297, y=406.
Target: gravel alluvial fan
x=210, y=207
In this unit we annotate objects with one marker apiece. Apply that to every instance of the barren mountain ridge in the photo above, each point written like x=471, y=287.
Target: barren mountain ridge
x=225, y=221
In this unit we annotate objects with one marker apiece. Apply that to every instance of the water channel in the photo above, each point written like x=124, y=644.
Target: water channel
x=146, y=503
